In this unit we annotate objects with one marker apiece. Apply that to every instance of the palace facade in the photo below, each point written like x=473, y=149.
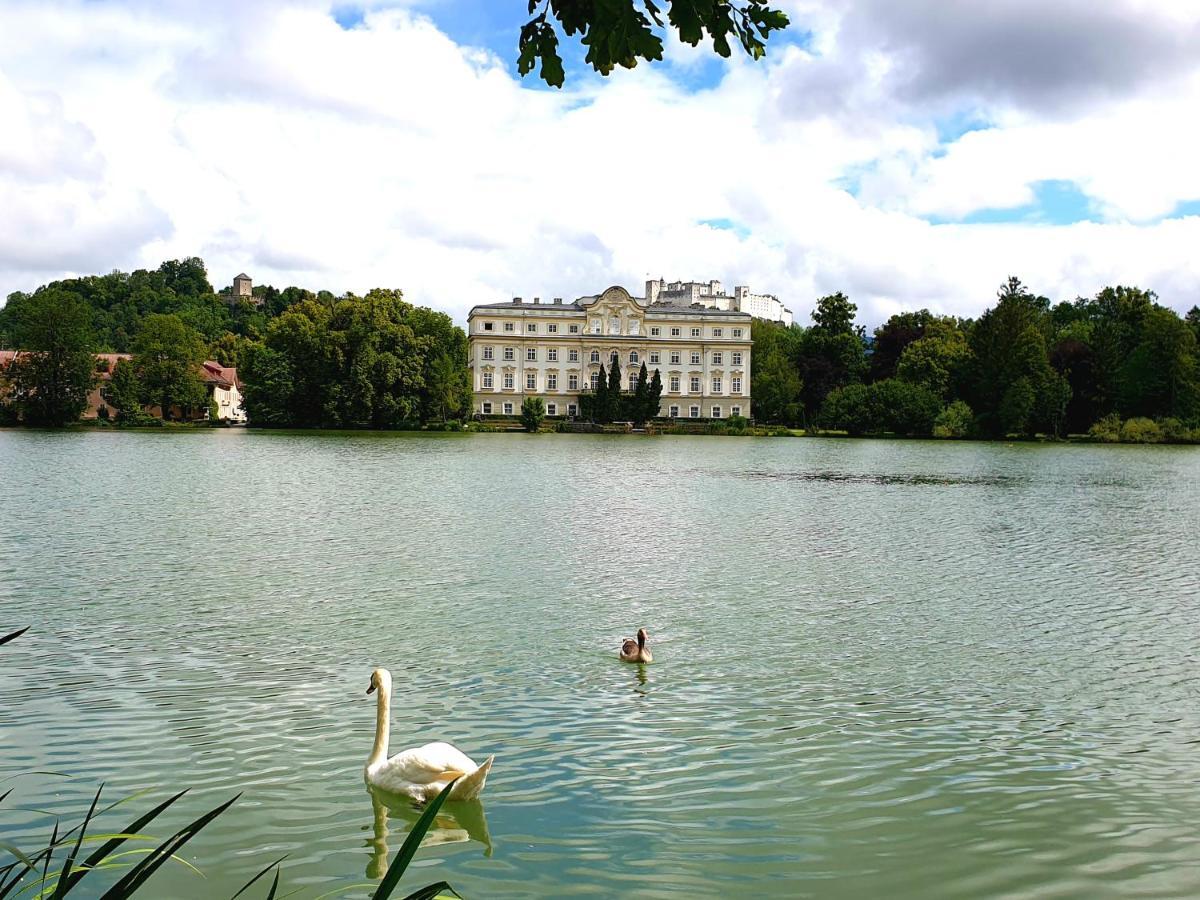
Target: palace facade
x=555, y=350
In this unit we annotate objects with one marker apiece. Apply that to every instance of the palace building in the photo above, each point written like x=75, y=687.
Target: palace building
x=555, y=350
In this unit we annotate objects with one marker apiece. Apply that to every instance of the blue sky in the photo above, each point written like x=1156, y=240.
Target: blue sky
x=901, y=153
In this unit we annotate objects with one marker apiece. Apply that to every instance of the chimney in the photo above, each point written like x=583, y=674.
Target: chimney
x=516, y=299
x=537, y=299
x=558, y=300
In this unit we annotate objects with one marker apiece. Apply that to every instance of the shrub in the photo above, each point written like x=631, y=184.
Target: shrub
x=1176, y=432
x=533, y=410
x=851, y=409
x=1141, y=431
x=955, y=421
x=1107, y=430
x=905, y=408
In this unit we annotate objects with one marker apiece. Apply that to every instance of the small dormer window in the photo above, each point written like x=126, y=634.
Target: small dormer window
x=614, y=325
x=635, y=326
x=596, y=326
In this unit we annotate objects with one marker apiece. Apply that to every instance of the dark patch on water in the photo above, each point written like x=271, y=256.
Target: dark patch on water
x=885, y=479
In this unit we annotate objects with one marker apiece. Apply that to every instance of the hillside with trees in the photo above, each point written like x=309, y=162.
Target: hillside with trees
x=305, y=358
x=1024, y=367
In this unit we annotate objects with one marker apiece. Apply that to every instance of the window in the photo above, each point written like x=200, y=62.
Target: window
x=673, y=412
x=674, y=332
x=695, y=357
x=655, y=331
x=674, y=357
x=595, y=380
x=614, y=325
x=633, y=378
x=613, y=358
x=572, y=382
x=635, y=326
x=531, y=354
x=595, y=356
x=654, y=357
x=596, y=328
x=572, y=356
x=487, y=381
x=508, y=381
x=572, y=409
x=694, y=412
x=510, y=353
x=717, y=358
x=735, y=359
x=508, y=326
x=633, y=356
x=735, y=411
x=694, y=384
x=717, y=332
x=735, y=385
x=716, y=412
x=716, y=386
x=487, y=326
x=531, y=327
x=574, y=329
x=487, y=353
x=552, y=355
x=674, y=384
x=487, y=408
x=531, y=381
x=552, y=382
x=508, y=409
x=552, y=328
x=551, y=409
x=695, y=332
x=737, y=332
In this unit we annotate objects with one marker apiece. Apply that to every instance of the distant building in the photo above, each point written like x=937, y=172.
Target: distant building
x=221, y=383
x=712, y=295
x=555, y=350
x=242, y=290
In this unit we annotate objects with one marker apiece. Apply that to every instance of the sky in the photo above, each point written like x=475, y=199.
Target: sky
x=910, y=154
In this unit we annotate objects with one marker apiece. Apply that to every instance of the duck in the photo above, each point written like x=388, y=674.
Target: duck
x=636, y=652
x=420, y=773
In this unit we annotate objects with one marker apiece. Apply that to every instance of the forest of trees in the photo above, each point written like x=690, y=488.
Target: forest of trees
x=1117, y=366
x=305, y=359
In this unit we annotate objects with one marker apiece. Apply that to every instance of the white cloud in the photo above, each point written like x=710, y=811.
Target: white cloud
x=266, y=138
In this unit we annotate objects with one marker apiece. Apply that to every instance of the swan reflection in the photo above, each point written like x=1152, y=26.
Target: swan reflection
x=458, y=821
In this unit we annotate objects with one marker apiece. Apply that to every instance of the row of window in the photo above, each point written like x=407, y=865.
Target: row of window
x=596, y=326
x=509, y=382
x=654, y=357
x=573, y=410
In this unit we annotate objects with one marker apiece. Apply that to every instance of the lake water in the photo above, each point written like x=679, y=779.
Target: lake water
x=903, y=669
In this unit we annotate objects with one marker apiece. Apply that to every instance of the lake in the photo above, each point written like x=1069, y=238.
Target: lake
x=905, y=669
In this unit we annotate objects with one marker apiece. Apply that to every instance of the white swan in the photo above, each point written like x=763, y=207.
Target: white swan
x=422, y=772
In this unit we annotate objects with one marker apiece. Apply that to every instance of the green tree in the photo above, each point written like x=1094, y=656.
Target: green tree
x=52, y=378
x=615, y=400
x=641, y=398
x=831, y=353
x=893, y=337
x=654, y=395
x=955, y=421
x=773, y=372
x=167, y=355
x=125, y=392
x=936, y=361
x=598, y=401
x=533, y=411
x=905, y=408
x=1159, y=377
x=1009, y=364
x=621, y=32
x=851, y=409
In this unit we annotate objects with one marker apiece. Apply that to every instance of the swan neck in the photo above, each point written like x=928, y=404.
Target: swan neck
x=383, y=708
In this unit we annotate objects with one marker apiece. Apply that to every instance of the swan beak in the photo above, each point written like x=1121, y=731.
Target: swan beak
x=371, y=689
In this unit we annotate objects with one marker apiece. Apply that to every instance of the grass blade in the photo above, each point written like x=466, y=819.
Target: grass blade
x=430, y=891
x=12, y=636
x=274, y=886
x=137, y=876
x=64, y=875
x=245, y=887
x=404, y=856
x=106, y=849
